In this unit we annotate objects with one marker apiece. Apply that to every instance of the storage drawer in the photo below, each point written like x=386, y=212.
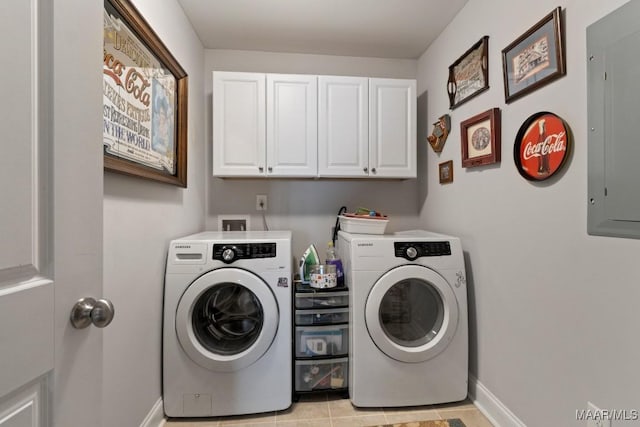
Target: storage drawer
x=322, y=300
x=322, y=317
x=322, y=340
x=325, y=374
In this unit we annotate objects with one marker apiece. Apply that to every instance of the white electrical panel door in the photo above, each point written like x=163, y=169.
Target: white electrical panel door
x=392, y=128
x=343, y=126
x=238, y=124
x=292, y=125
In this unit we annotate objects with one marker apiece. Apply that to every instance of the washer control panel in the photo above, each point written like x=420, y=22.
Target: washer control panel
x=230, y=252
x=414, y=250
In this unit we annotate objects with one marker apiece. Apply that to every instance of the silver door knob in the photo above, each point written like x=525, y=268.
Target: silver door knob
x=87, y=311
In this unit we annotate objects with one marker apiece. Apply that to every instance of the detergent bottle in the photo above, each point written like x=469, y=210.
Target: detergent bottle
x=334, y=260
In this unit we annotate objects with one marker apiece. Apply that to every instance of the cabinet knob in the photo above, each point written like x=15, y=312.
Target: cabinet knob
x=373, y=170
x=365, y=170
x=260, y=169
x=270, y=169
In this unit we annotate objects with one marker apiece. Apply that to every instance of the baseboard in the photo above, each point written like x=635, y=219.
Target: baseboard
x=155, y=417
x=492, y=408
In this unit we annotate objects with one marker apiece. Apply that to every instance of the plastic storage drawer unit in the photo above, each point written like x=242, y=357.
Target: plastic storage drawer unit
x=321, y=340
x=313, y=341
x=312, y=375
x=322, y=300
x=322, y=317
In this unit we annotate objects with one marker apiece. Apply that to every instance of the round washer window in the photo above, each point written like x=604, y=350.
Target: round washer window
x=227, y=319
x=411, y=313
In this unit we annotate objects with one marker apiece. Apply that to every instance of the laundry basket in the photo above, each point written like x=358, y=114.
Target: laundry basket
x=363, y=225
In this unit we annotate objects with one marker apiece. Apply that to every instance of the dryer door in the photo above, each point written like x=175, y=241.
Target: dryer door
x=227, y=319
x=411, y=313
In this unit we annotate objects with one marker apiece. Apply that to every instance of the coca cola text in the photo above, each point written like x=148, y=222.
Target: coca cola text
x=554, y=143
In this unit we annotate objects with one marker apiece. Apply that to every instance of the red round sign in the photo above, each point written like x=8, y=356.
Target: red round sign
x=542, y=146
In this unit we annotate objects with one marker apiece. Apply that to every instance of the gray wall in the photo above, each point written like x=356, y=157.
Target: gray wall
x=554, y=315
x=308, y=207
x=140, y=217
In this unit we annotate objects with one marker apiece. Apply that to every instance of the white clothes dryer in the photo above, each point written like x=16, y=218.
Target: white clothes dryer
x=227, y=324
x=408, y=318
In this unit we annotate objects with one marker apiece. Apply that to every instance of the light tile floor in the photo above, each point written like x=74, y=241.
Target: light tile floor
x=332, y=410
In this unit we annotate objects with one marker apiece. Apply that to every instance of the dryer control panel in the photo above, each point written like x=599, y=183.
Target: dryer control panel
x=414, y=250
x=230, y=252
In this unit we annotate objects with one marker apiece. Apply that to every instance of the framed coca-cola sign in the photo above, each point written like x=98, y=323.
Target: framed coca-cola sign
x=542, y=146
x=145, y=99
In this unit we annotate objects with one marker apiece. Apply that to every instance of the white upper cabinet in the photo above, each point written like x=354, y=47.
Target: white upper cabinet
x=285, y=125
x=343, y=126
x=367, y=127
x=265, y=124
x=239, y=124
x=292, y=125
x=392, y=128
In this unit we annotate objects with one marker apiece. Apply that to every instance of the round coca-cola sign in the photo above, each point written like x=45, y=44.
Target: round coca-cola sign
x=542, y=146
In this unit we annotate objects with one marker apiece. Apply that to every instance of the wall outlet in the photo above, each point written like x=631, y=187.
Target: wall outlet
x=261, y=202
x=597, y=418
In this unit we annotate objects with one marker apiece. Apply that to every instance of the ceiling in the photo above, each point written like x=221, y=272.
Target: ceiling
x=370, y=28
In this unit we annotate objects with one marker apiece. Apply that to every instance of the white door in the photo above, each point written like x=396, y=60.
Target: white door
x=51, y=212
x=343, y=126
x=392, y=128
x=238, y=124
x=292, y=125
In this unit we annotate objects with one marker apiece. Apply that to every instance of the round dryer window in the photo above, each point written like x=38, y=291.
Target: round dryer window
x=411, y=313
x=227, y=319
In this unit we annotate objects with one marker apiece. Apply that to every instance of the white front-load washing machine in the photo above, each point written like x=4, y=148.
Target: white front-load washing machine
x=227, y=324
x=408, y=318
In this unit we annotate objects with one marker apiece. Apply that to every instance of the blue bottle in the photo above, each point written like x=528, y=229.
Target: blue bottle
x=333, y=259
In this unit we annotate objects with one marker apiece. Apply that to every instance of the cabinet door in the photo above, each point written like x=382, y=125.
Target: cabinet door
x=238, y=124
x=343, y=132
x=392, y=128
x=292, y=125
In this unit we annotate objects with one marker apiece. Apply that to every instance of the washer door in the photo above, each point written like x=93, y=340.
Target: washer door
x=227, y=319
x=411, y=313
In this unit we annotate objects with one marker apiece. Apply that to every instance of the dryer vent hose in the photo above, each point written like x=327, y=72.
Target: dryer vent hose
x=342, y=210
